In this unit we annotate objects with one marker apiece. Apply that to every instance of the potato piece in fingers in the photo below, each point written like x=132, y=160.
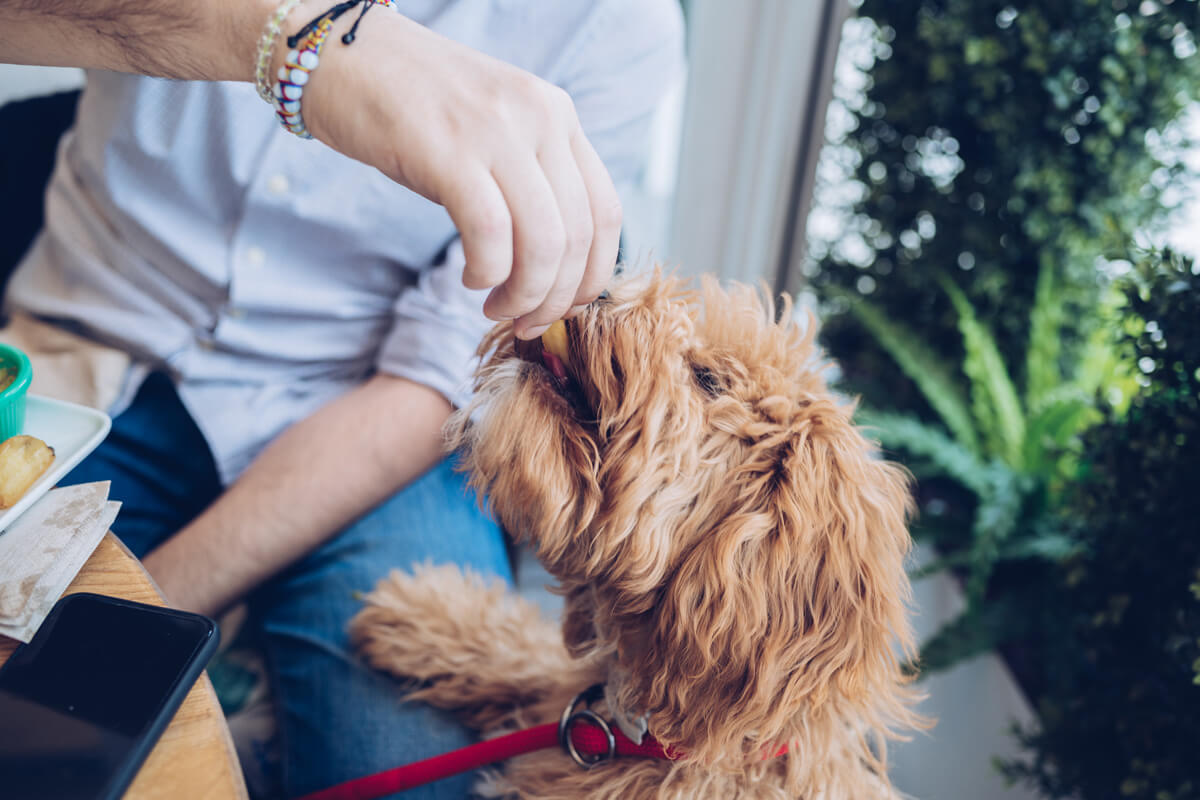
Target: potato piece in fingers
x=554, y=340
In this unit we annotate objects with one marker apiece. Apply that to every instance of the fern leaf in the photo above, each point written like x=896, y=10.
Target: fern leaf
x=996, y=518
x=1047, y=546
x=1042, y=372
x=909, y=435
x=931, y=375
x=1103, y=366
x=998, y=413
x=1065, y=413
x=998, y=487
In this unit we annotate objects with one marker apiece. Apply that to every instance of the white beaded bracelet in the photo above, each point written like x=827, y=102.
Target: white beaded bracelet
x=266, y=48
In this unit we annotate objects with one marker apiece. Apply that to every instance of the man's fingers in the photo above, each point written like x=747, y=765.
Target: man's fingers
x=558, y=164
x=540, y=223
x=539, y=239
x=482, y=217
x=605, y=207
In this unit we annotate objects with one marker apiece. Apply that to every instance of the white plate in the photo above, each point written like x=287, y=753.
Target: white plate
x=71, y=429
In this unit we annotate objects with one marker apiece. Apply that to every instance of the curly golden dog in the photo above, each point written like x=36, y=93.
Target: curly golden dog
x=729, y=546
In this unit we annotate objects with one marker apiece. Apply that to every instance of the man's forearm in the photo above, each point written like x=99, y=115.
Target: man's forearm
x=205, y=40
x=317, y=477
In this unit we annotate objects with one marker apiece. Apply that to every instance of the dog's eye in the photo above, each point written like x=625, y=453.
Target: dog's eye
x=707, y=380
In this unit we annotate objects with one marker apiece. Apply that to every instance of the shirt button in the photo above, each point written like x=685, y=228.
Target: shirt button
x=236, y=313
x=256, y=256
x=205, y=344
x=278, y=185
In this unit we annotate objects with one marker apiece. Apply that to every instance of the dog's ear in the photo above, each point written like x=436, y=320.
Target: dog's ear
x=783, y=614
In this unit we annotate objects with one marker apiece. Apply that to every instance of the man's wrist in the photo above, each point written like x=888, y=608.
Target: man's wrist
x=267, y=44
x=299, y=13
x=336, y=56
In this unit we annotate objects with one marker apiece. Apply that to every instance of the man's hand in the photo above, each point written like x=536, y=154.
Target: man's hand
x=501, y=149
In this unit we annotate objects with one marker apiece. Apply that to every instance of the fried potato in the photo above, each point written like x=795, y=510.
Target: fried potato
x=554, y=340
x=23, y=459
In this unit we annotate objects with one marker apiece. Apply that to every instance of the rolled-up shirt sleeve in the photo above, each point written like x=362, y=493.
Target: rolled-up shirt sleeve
x=438, y=326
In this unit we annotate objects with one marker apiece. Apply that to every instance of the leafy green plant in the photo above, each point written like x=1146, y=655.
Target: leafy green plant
x=990, y=140
x=1007, y=449
x=1010, y=146
x=1113, y=661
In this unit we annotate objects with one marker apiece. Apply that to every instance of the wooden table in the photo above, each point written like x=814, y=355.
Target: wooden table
x=194, y=759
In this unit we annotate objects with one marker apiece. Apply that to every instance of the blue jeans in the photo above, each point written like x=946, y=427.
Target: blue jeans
x=338, y=719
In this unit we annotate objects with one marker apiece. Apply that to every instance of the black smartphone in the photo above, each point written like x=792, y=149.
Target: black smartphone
x=84, y=701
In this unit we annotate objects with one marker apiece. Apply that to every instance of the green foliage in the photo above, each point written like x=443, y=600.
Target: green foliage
x=996, y=139
x=1006, y=453
x=1010, y=150
x=1045, y=345
x=928, y=444
x=998, y=413
x=1003, y=150
x=1114, y=659
x=925, y=368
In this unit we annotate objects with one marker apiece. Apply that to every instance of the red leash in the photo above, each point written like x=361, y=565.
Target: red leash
x=588, y=744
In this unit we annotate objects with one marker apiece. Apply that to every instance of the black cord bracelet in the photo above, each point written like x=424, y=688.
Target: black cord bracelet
x=332, y=14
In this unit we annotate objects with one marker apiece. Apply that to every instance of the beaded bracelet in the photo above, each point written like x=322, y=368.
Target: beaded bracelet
x=305, y=56
x=293, y=76
x=266, y=48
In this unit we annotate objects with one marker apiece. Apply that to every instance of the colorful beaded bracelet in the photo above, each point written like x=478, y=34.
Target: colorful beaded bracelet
x=293, y=76
x=266, y=48
x=305, y=56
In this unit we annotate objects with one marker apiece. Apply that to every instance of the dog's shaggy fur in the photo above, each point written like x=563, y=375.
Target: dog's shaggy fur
x=730, y=549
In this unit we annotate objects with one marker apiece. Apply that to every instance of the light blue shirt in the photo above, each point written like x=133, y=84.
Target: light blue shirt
x=269, y=274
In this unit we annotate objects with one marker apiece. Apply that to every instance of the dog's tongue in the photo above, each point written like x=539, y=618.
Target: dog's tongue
x=554, y=364
x=554, y=349
x=536, y=352
x=549, y=349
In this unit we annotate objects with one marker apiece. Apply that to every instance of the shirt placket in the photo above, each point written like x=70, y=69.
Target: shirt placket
x=258, y=249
